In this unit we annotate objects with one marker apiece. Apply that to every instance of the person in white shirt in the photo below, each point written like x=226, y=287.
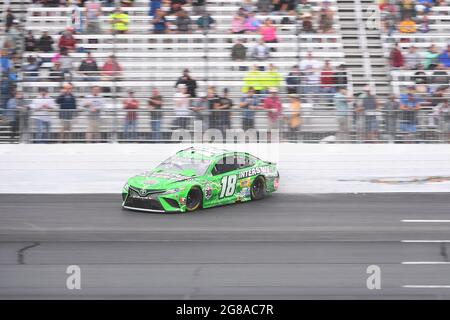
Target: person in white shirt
x=310, y=69
x=41, y=108
x=94, y=105
x=260, y=51
x=182, y=104
x=93, y=12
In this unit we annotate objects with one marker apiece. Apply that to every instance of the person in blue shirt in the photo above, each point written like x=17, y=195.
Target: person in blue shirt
x=11, y=113
x=409, y=105
x=67, y=106
x=444, y=57
x=154, y=4
x=250, y=103
x=160, y=24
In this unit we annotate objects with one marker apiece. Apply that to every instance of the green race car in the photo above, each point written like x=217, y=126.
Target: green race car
x=200, y=177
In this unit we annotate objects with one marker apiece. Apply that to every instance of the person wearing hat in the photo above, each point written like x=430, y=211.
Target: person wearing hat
x=67, y=108
x=272, y=104
x=67, y=40
x=189, y=82
x=41, y=108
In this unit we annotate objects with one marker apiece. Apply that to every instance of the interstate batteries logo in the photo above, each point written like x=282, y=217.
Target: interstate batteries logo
x=255, y=171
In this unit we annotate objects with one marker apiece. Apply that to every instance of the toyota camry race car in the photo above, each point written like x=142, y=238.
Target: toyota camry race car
x=200, y=178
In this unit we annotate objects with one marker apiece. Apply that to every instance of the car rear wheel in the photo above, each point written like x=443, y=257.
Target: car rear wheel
x=258, y=188
x=194, y=199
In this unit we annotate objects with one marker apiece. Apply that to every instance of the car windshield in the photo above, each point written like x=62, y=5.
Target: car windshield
x=185, y=166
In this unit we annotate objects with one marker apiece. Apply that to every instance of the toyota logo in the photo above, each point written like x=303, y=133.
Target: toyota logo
x=142, y=192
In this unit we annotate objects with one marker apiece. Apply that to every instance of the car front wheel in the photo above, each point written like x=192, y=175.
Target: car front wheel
x=194, y=199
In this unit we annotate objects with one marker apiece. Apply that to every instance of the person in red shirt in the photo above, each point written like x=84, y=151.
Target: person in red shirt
x=131, y=104
x=67, y=40
x=111, y=69
x=396, y=57
x=327, y=83
x=273, y=106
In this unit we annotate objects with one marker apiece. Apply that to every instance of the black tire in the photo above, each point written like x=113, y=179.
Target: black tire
x=194, y=199
x=258, y=188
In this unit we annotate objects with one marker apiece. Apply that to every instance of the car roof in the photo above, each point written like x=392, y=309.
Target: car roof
x=210, y=153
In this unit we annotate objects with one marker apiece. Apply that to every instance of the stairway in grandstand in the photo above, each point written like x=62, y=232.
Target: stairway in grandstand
x=363, y=46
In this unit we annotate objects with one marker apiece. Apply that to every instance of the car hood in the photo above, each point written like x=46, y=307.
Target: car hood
x=157, y=180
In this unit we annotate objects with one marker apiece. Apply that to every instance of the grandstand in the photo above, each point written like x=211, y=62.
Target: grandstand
x=149, y=59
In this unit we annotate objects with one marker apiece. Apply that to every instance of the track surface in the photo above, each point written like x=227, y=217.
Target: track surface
x=286, y=246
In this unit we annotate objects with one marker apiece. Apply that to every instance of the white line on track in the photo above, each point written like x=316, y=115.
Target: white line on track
x=424, y=241
x=426, y=221
x=426, y=262
x=427, y=286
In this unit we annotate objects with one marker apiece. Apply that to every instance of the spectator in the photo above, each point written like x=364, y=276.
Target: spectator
x=327, y=81
x=307, y=24
x=183, y=22
x=326, y=17
x=260, y=51
x=407, y=9
x=443, y=111
x=155, y=107
x=251, y=23
x=205, y=22
x=153, y=6
x=30, y=42
x=409, y=105
x=191, y=83
x=55, y=73
x=268, y=31
x=273, y=106
x=181, y=100
x=5, y=62
x=11, y=114
x=67, y=40
x=111, y=69
x=238, y=24
x=294, y=119
x=9, y=19
x=198, y=7
x=407, y=26
x=284, y=5
x=160, y=24
x=391, y=109
x=93, y=104
x=93, y=12
x=370, y=107
x=238, y=51
x=431, y=57
x=89, y=68
x=127, y=3
x=130, y=104
x=249, y=103
x=440, y=76
x=213, y=107
x=15, y=37
x=76, y=17
x=264, y=6
x=311, y=83
x=45, y=43
x=223, y=115
x=340, y=76
x=341, y=104
x=41, y=108
x=67, y=107
x=31, y=69
x=119, y=21
x=66, y=63
x=303, y=7
x=424, y=25
x=272, y=78
x=390, y=19
x=396, y=57
x=176, y=6
x=294, y=80
x=444, y=57
x=254, y=78
x=411, y=59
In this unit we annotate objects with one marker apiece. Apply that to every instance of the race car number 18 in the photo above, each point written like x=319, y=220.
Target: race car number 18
x=228, y=186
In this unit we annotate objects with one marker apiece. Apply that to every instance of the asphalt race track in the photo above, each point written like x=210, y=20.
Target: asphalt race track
x=286, y=246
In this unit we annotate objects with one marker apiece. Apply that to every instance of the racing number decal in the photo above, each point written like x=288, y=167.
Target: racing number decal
x=228, y=186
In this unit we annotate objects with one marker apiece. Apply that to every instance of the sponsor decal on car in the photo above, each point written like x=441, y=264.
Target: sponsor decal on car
x=244, y=182
x=208, y=192
x=255, y=171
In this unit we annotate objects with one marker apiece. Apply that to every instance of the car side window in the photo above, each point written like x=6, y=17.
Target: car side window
x=244, y=161
x=224, y=165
